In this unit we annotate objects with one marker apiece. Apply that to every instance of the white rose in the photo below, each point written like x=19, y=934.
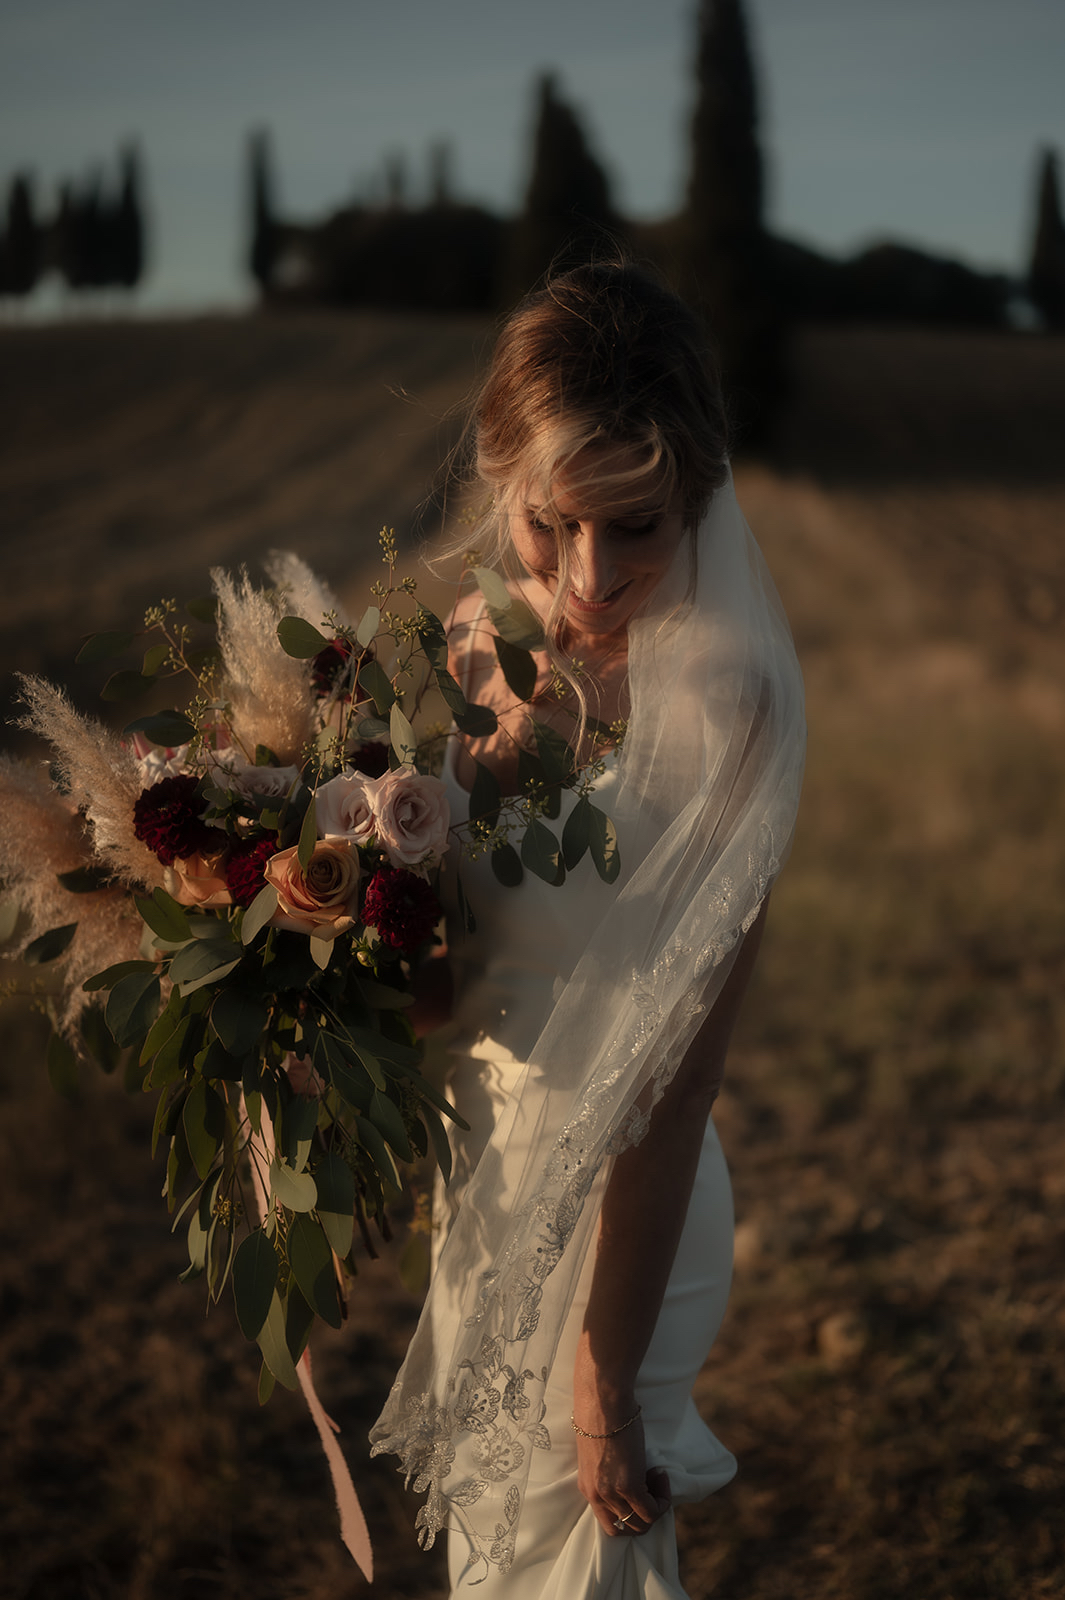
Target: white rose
x=344, y=808
x=269, y=783
x=412, y=816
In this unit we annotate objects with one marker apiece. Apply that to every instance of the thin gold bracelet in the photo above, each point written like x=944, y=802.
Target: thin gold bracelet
x=584, y=1434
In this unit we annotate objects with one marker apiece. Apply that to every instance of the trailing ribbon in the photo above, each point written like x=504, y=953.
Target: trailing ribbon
x=353, y=1530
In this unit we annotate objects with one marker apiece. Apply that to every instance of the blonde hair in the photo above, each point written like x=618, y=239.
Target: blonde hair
x=603, y=355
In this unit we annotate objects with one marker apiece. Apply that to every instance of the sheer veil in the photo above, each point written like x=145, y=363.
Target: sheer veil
x=708, y=785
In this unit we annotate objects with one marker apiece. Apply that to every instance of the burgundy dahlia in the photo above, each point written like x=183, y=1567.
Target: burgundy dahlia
x=370, y=759
x=402, y=907
x=244, y=869
x=328, y=664
x=167, y=819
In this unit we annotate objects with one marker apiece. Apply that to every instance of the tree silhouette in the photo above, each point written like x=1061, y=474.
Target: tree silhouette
x=22, y=252
x=567, y=208
x=263, y=251
x=129, y=221
x=727, y=257
x=1046, y=272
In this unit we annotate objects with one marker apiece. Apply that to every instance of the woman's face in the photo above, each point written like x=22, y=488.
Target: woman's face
x=621, y=538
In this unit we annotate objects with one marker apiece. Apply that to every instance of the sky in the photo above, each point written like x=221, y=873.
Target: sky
x=917, y=120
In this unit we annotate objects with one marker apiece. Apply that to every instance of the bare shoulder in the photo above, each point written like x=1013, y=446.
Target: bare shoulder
x=469, y=637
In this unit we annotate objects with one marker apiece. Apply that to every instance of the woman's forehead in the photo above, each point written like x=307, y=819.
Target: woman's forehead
x=607, y=480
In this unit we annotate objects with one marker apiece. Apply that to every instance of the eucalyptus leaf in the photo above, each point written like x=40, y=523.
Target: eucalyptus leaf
x=110, y=975
x=485, y=798
x=378, y=685
x=441, y=1143
x=379, y=1153
x=204, y=608
x=432, y=636
x=577, y=833
x=311, y=1258
x=518, y=625
x=493, y=586
x=238, y=1018
x=466, y=916
x=298, y=1124
x=101, y=646
x=198, y=1240
x=49, y=946
x=299, y=1320
x=98, y=1037
x=369, y=623
x=267, y=1384
x=254, y=1281
x=165, y=728
x=604, y=845
x=384, y=1114
x=518, y=668
x=452, y=694
x=155, y=659
x=401, y=734
x=540, y=853
x=271, y=1341
x=203, y=961
x=300, y=638
x=164, y=916
x=557, y=756
x=204, y=1121
x=506, y=864
x=336, y=1200
x=321, y=951
x=84, y=880
x=296, y=1191
x=132, y=1007
x=258, y=913
x=477, y=721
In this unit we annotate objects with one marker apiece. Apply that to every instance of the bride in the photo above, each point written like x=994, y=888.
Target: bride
x=584, y=1246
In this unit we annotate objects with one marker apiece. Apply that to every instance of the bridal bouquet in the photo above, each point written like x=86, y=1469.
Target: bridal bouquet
x=237, y=893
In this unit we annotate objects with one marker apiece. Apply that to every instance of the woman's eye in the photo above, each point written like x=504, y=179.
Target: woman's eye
x=639, y=529
x=536, y=525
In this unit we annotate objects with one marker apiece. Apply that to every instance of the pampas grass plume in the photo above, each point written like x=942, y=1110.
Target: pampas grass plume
x=269, y=692
x=101, y=776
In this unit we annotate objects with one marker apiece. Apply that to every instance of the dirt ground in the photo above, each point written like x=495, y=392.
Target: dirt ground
x=891, y=1372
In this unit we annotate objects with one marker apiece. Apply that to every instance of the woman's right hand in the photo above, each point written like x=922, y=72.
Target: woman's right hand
x=613, y=1476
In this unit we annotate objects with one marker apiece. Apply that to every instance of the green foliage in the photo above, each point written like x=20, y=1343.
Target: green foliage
x=165, y=728
x=49, y=946
x=300, y=638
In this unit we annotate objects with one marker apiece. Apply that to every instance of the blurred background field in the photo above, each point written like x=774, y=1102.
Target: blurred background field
x=891, y=1372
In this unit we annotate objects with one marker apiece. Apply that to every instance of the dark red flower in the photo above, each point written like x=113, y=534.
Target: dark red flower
x=370, y=759
x=244, y=869
x=328, y=664
x=402, y=907
x=167, y=819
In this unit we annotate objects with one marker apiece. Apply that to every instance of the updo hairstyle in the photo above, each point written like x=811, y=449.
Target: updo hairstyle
x=601, y=355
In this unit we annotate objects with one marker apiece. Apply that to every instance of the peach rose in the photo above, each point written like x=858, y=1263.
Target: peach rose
x=322, y=899
x=412, y=816
x=344, y=808
x=198, y=881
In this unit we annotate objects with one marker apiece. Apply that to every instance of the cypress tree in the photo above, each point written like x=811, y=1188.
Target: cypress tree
x=568, y=208
x=727, y=255
x=262, y=254
x=1046, y=272
x=23, y=243
x=129, y=221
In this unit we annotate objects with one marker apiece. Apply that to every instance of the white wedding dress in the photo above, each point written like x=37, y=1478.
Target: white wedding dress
x=527, y=939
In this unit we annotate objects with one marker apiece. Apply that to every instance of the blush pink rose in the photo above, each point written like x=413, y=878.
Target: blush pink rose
x=198, y=881
x=344, y=808
x=412, y=816
x=321, y=900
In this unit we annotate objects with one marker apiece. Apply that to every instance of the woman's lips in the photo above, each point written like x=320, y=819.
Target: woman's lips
x=592, y=607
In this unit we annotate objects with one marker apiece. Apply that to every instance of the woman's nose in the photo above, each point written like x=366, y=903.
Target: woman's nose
x=593, y=565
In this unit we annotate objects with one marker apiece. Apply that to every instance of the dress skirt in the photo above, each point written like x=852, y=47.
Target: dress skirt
x=562, y=1552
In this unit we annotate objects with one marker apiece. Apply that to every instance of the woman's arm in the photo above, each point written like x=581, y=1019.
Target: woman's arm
x=644, y=1208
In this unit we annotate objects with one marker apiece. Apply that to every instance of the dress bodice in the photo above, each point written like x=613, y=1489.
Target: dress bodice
x=527, y=938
